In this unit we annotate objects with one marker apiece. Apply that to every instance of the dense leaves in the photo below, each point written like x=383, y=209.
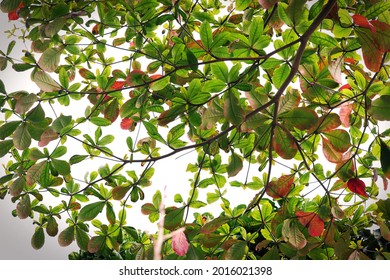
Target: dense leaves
x=278, y=106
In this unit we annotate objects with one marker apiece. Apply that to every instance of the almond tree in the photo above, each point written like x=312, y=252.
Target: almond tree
x=286, y=101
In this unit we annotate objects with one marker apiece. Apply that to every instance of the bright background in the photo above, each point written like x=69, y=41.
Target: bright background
x=15, y=234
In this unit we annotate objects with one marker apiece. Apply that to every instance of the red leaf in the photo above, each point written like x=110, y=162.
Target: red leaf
x=118, y=85
x=345, y=112
x=346, y=86
x=312, y=221
x=381, y=36
x=331, y=154
x=14, y=14
x=179, y=242
x=126, y=123
x=281, y=187
x=266, y=4
x=357, y=186
x=363, y=22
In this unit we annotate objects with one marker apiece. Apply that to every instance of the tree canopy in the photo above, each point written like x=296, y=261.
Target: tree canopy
x=285, y=101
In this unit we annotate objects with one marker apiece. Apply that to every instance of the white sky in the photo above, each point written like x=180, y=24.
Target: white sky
x=15, y=234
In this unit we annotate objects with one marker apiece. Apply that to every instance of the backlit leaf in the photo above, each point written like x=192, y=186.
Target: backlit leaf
x=330, y=152
x=232, y=109
x=280, y=75
x=281, y=187
x=284, y=144
x=50, y=59
x=293, y=235
x=22, y=137
x=179, y=242
x=380, y=108
x=312, y=221
x=301, y=118
x=206, y=35
x=45, y=82
x=357, y=186
x=340, y=139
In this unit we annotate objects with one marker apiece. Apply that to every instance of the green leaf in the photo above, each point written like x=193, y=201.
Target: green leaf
x=63, y=77
x=50, y=59
x=232, y=109
x=235, y=165
x=8, y=128
x=376, y=9
x=301, y=118
x=110, y=214
x=38, y=239
x=380, y=108
x=98, y=121
x=280, y=75
x=54, y=26
x=61, y=166
x=160, y=84
x=52, y=227
x=173, y=218
x=59, y=152
x=90, y=211
x=66, y=237
x=295, y=10
x=82, y=239
x=206, y=35
x=237, y=251
x=45, y=82
x=8, y=6
x=153, y=132
x=22, y=137
x=242, y=4
x=77, y=158
x=323, y=39
x=220, y=71
x=36, y=114
x=315, y=9
x=385, y=158
x=170, y=115
x=327, y=122
x=284, y=144
x=20, y=67
x=61, y=122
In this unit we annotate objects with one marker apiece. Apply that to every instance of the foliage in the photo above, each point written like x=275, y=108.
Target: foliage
x=297, y=91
